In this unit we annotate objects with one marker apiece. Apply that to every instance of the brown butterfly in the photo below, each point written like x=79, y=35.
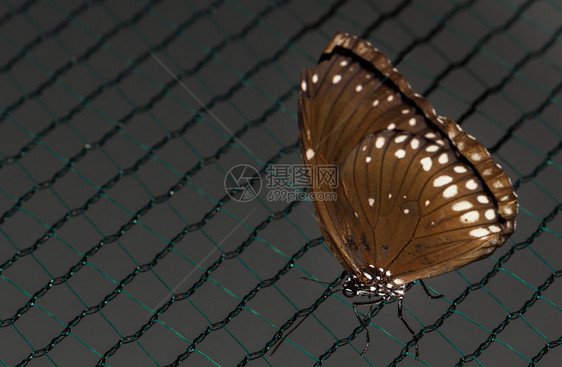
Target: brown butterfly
x=416, y=196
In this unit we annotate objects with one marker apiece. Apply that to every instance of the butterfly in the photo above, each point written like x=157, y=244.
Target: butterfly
x=416, y=196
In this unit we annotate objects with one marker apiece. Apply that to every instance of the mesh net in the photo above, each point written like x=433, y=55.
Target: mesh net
x=119, y=245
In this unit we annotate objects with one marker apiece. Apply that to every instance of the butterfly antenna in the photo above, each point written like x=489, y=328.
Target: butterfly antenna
x=315, y=280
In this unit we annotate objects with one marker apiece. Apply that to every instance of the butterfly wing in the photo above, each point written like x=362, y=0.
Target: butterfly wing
x=357, y=112
x=350, y=94
x=426, y=210
x=338, y=231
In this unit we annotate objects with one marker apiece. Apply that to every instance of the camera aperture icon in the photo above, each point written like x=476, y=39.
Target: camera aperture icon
x=239, y=178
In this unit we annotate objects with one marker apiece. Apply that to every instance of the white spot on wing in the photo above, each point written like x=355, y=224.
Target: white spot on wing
x=462, y=205
x=494, y=229
x=391, y=126
x=432, y=148
x=479, y=232
x=460, y=169
x=415, y=143
x=443, y=158
x=442, y=180
x=400, y=153
x=490, y=214
x=371, y=201
x=375, y=103
x=336, y=79
x=476, y=156
x=482, y=199
x=359, y=88
x=379, y=143
x=498, y=184
x=470, y=217
x=368, y=159
x=343, y=63
x=471, y=184
x=406, y=211
x=430, y=135
x=315, y=78
x=426, y=163
x=303, y=86
x=309, y=154
x=412, y=122
x=427, y=202
x=390, y=98
x=400, y=138
x=405, y=111
x=450, y=191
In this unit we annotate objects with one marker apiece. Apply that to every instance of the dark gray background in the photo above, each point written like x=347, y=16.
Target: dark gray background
x=53, y=88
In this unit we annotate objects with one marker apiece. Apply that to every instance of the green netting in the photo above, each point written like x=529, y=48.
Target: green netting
x=119, y=245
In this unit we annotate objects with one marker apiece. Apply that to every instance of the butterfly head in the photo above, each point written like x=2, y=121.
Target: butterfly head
x=373, y=281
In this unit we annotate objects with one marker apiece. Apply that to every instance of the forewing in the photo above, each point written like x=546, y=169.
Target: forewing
x=354, y=92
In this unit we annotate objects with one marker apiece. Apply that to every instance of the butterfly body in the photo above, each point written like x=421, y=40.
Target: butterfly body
x=416, y=196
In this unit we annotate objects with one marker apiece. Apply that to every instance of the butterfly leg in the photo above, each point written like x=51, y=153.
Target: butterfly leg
x=408, y=327
x=427, y=290
x=362, y=321
x=315, y=280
